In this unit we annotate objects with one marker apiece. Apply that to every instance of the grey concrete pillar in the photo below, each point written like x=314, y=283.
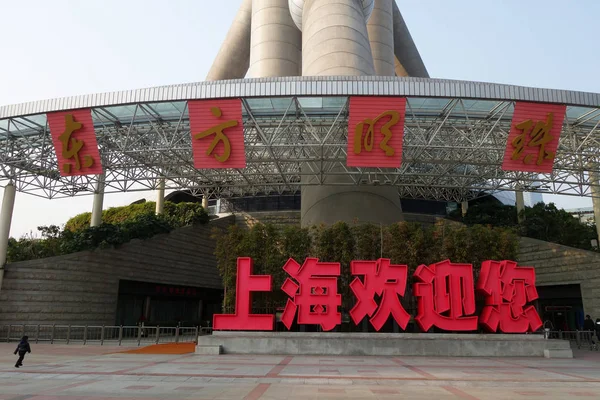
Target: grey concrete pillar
x=595, y=189
x=96, y=219
x=335, y=40
x=399, y=68
x=205, y=203
x=405, y=49
x=381, y=37
x=520, y=204
x=464, y=207
x=275, y=41
x=160, y=197
x=234, y=56
x=6, y=213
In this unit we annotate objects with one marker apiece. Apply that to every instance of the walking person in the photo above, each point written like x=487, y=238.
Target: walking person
x=589, y=328
x=22, y=348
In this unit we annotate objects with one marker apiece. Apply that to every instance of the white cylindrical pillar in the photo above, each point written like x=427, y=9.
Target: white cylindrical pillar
x=233, y=57
x=160, y=197
x=275, y=41
x=381, y=37
x=205, y=203
x=335, y=40
x=464, y=207
x=520, y=200
x=96, y=219
x=8, y=203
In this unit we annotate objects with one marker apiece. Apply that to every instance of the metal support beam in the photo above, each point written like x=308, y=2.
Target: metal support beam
x=160, y=197
x=6, y=213
x=98, y=202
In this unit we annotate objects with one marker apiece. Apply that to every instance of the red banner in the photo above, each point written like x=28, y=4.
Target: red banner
x=375, y=131
x=75, y=142
x=217, y=133
x=533, y=138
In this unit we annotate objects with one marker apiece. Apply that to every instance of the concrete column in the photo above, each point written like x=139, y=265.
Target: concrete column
x=205, y=203
x=381, y=37
x=464, y=207
x=96, y=219
x=335, y=40
x=275, y=41
x=160, y=197
x=520, y=204
x=593, y=176
x=399, y=68
x=234, y=56
x=8, y=203
x=405, y=49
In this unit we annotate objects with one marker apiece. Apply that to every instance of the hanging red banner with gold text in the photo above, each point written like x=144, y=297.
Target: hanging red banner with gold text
x=375, y=131
x=75, y=142
x=217, y=133
x=533, y=138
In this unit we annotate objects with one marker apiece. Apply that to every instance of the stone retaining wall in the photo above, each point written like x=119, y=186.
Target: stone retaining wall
x=82, y=288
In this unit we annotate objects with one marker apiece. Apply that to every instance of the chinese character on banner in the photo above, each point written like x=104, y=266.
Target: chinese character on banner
x=217, y=133
x=533, y=137
x=382, y=279
x=446, y=297
x=375, y=131
x=75, y=142
x=315, y=295
x=246, y=283
x=507, y=289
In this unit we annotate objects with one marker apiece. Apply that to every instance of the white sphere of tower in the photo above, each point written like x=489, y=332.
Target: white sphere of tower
x=297, y=6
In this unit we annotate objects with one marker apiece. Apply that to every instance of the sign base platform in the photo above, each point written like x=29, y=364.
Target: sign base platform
x=383, y=344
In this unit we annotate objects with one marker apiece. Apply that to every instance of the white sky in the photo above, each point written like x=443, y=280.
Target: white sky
x=61, y=48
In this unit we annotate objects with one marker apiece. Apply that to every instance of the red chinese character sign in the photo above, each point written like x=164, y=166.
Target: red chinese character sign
x=375, y=131
x=533, y=137
x=383, y=279
x=446, y=297
x=217, y=133
x=75, y=142
x=507, y=289
x=246, y=283
x=314, y=296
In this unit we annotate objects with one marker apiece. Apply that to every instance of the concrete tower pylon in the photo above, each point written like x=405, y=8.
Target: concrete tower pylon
x=330, y=37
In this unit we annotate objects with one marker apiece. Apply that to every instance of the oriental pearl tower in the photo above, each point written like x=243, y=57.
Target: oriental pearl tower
x=277, y=38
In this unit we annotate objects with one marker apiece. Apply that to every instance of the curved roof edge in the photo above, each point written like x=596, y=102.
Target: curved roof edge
x=309, y=86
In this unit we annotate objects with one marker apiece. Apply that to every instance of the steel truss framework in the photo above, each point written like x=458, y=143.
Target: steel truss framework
x=453, y=150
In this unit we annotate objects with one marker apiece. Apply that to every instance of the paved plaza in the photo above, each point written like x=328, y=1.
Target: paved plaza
x=61, y=372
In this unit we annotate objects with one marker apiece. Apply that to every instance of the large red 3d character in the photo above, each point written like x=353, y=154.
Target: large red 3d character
x=315, y=295
x=383, y=279
x=507, y=289
x=445, y=297
x=246, y=283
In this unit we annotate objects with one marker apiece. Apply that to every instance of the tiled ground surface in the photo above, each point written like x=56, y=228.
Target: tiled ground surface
x=100, y=373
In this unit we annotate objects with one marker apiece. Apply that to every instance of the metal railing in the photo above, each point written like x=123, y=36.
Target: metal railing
x=102, y=335
x=576, y=338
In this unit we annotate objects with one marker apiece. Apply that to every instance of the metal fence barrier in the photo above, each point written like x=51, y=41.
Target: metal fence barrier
x=102, y=335
x=585, y=339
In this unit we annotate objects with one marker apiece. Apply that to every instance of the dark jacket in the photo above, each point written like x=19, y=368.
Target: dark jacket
x=23, y=347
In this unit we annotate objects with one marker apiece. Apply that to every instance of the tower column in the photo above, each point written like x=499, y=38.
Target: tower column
x=275, y=41
x=8, y=203
x=335, y=41
x=160, y=197
x=381, y=37
x=96, y=219
x=234, y=55
x=595, y=189
x=464, y=207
